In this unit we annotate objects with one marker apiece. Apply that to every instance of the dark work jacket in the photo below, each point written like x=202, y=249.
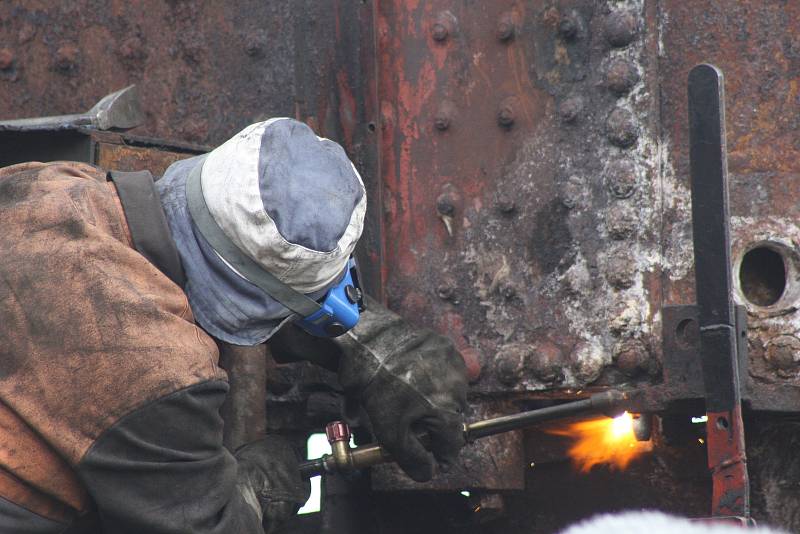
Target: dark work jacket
x=109, y=392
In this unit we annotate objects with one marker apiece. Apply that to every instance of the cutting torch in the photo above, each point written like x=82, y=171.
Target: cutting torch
x=344, y=458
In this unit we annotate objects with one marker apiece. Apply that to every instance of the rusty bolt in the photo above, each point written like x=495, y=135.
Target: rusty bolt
x=570, y=109
x=6, y=59
x=506, y=204
x=506, y=114
x=443, y=26
x=445, y=291
x=508, y=290
x=631, y=356
x=620, y=271
x=783, y=353
x=439, y=31
x=587, y=361
x=67, y=58
x=568, y=28
x=445, y=205
x=546, y=360
x=505, y=28
x=621, y=178
x=255, y=42
x=621, y=76
x=511, y=362
x=572, y=191
x=622, y=128
x=441, y=121
x=621, y=28
x=444, y=115
x=620, y=224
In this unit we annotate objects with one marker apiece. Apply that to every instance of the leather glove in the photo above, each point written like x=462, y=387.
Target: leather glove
x=269, y=476
x=408, y=380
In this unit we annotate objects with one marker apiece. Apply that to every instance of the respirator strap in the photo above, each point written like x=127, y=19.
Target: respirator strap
x=244, y=265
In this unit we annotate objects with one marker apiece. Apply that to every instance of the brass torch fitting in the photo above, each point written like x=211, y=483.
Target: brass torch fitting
x=338, y=434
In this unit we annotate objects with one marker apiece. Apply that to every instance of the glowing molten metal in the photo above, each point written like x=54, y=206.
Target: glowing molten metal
x=603, y=441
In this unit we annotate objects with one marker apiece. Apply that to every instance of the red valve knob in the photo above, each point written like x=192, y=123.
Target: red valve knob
x=337, y=431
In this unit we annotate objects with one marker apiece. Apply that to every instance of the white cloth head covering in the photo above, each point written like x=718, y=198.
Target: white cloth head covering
x=288, y=199
x=291, y=201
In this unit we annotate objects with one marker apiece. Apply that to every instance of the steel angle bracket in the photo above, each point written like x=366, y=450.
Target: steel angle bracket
x=715, y=308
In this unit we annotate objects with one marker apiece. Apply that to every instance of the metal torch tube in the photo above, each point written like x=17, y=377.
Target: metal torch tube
x=373, y=454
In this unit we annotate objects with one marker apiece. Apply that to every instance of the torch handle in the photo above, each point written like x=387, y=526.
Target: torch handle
x=345, y=458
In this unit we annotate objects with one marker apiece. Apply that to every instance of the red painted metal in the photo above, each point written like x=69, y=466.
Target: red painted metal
x=728, y=463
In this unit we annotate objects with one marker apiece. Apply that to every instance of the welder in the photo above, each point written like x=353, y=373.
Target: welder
x=113, y=290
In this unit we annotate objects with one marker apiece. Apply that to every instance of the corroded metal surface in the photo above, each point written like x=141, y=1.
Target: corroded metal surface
x=204, y=70
x=757, y=46
x=521, y=162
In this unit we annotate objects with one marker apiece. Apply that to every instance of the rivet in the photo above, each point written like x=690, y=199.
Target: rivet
x=621, y=28
x=444, y=115
x=570, y=109
x=443, y=26
x=621, y=178
x=510, y=363
x=571, y=191
x=587, y=361
x=620, y=271
x=505, y=204
x=505, y=27
x=631, y=356
x=445, y=291
x=66, y=59
x=568, y=28
x=255, y=42
x=6, y=58
x=621, y=76
x=620, y=223
x=506, y=114
x=508, y=290
x=622, y=128
x=546, y=360
x=445, y=205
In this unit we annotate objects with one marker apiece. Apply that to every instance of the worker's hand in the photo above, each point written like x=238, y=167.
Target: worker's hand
x=408, y=380
x=268, y=476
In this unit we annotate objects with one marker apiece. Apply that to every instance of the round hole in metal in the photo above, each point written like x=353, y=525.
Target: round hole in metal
x=762, y=275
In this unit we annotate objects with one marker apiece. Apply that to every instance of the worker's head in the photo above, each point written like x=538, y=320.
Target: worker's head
x=281, y=200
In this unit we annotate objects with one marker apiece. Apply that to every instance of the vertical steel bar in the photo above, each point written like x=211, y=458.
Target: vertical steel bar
x=245, y=409
x=718, y=339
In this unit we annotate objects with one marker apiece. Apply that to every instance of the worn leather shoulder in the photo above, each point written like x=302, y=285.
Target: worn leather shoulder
x=89, y=329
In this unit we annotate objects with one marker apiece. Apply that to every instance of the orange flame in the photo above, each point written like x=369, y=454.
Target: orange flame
x=603, y=441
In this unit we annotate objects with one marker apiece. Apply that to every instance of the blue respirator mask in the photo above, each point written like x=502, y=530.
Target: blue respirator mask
x=333, y=315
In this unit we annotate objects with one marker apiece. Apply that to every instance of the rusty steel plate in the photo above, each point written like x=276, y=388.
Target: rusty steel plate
x=523, y=200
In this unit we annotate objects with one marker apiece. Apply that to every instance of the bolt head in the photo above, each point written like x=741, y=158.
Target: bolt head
x=505, y=30
x=506, y=204
x=570, y=109
x=621, y=76
x=622, y=128
x=441, y=122
x=568, y=28
x=621, y=28
x=445, y=291
x=622, y=179
x=439, y=31
x=444, y=205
